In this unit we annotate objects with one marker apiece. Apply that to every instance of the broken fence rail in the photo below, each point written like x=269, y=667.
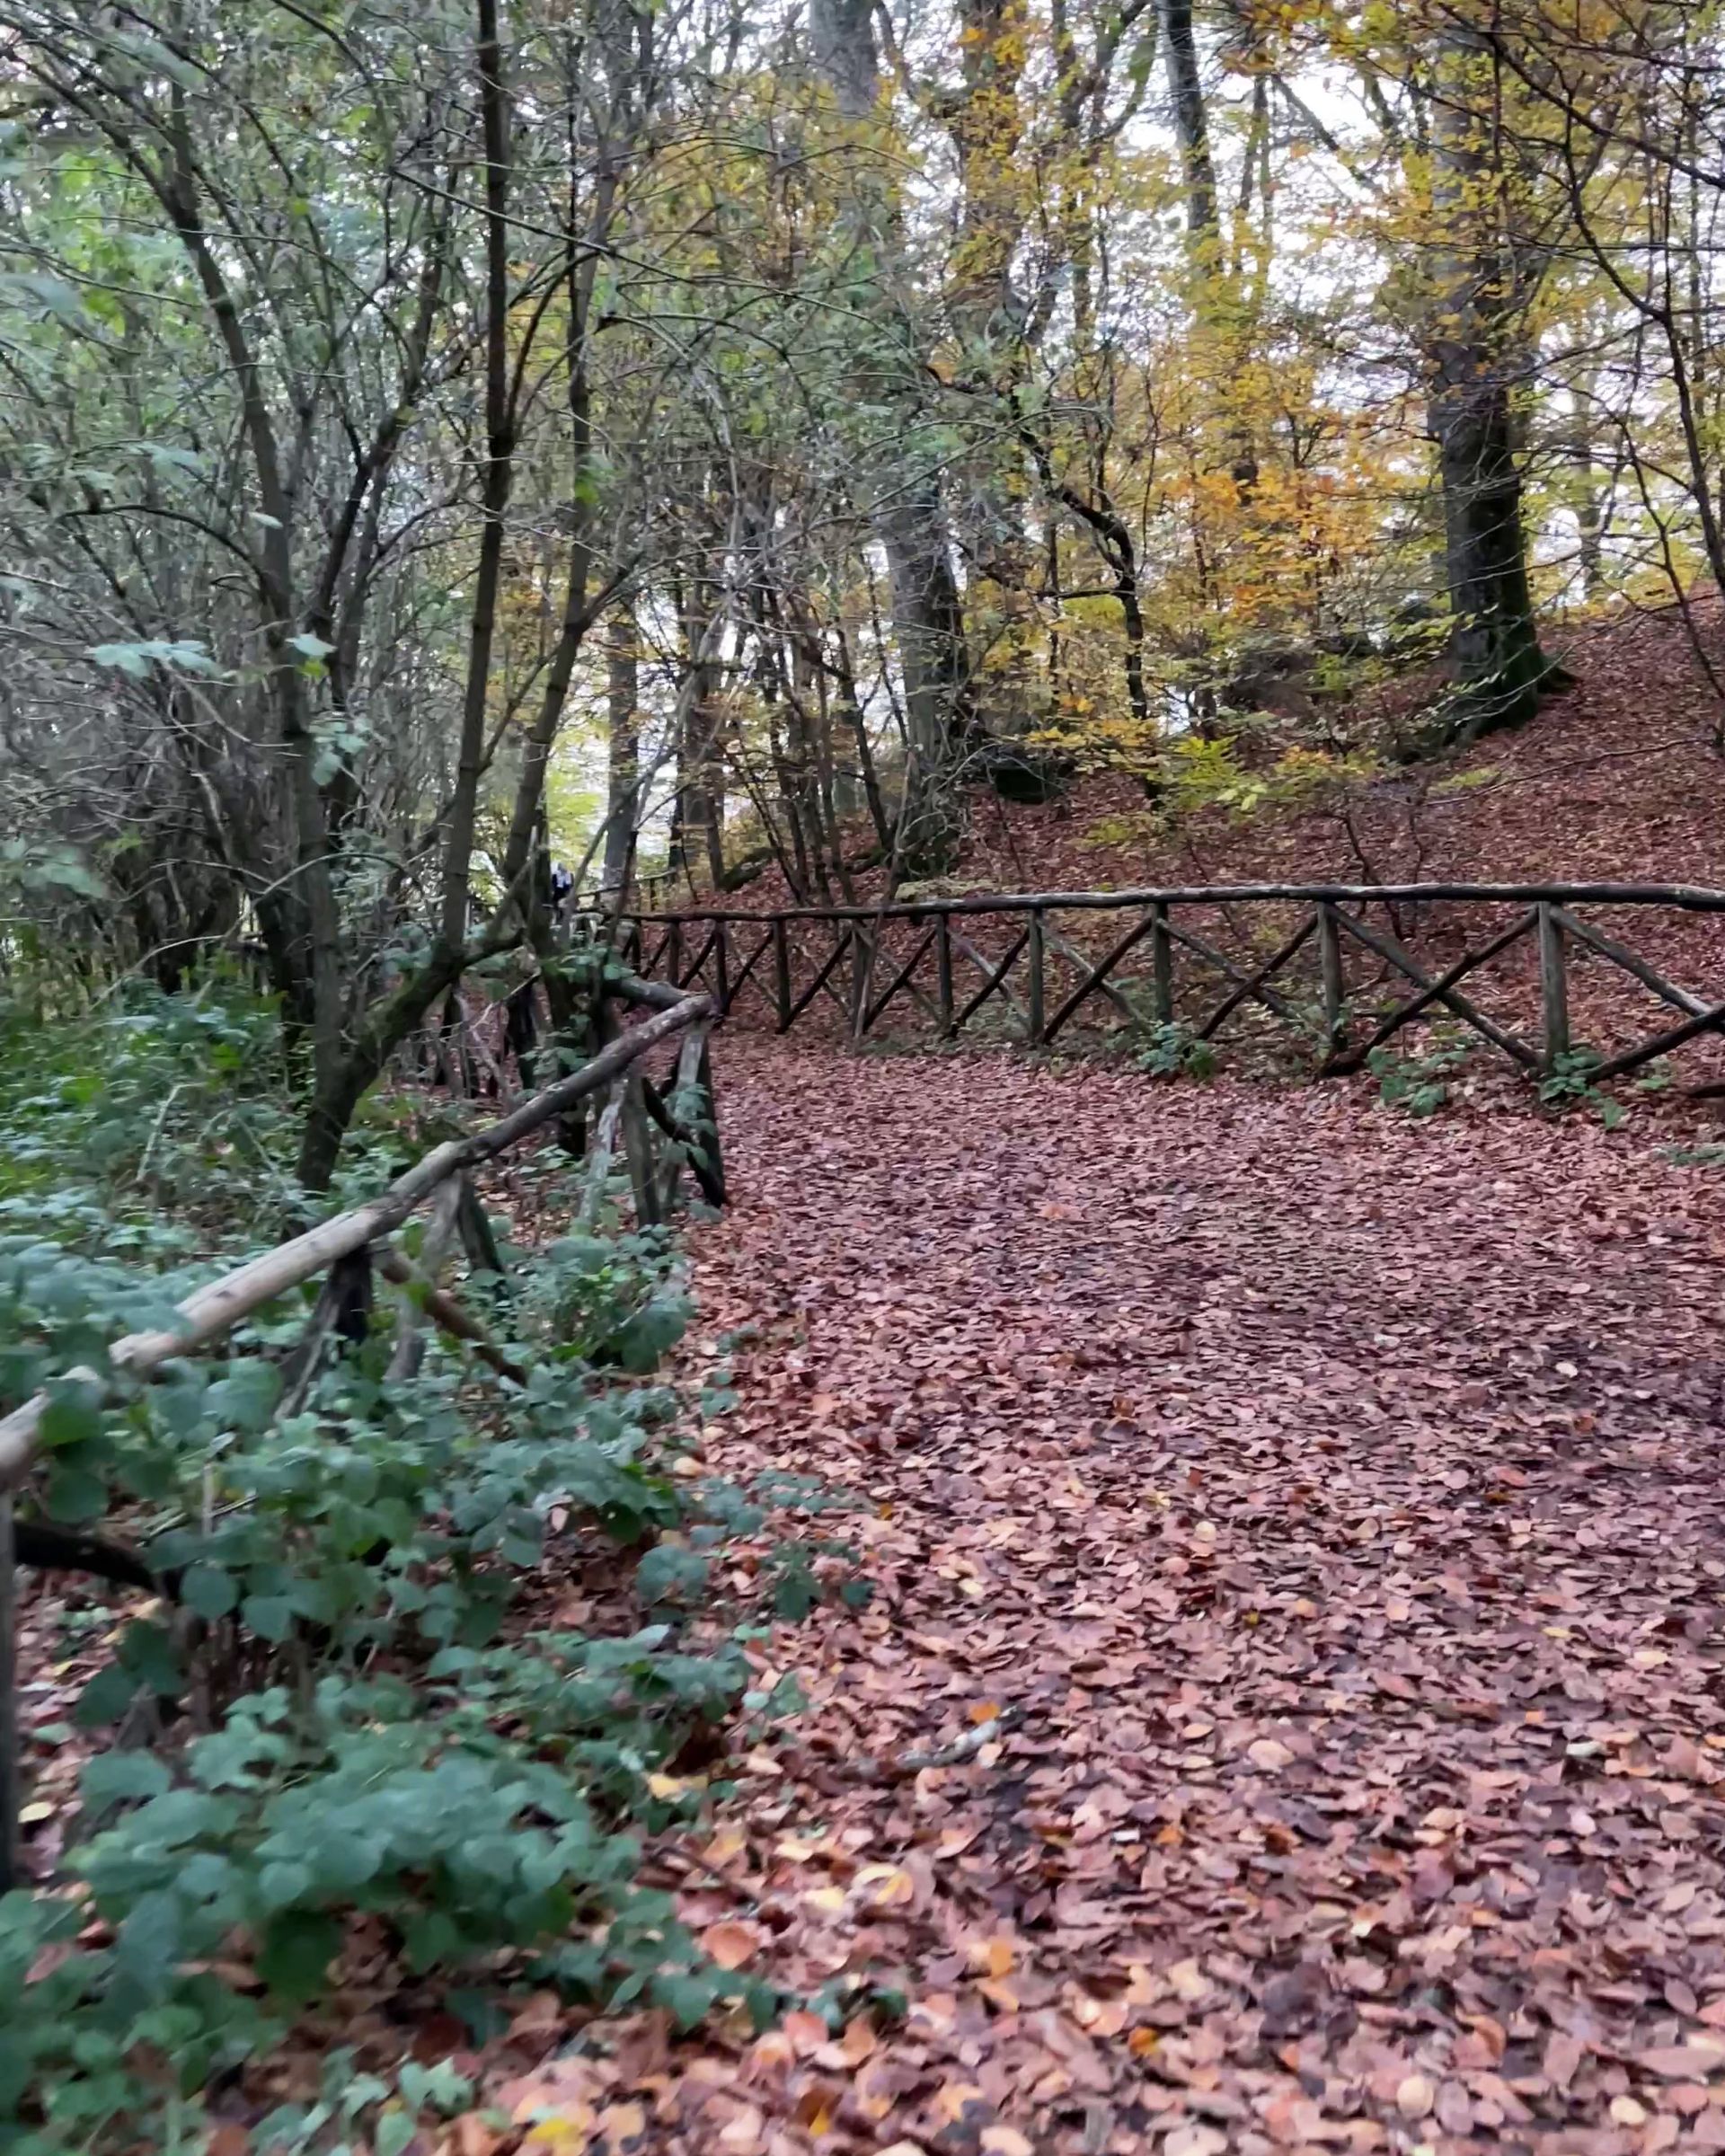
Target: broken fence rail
x=359, y=1237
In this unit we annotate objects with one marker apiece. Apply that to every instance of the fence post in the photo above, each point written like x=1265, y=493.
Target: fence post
x=11, y=1739
x=781, y=972
x=1553, y=985
x=709, y=1101
x=637, y=1151
x=674, y=953
x=722, y=967
x=1034, y=1021
x=1330, y=970
x=943, y=970
x=1162, y=963
x=862, y=973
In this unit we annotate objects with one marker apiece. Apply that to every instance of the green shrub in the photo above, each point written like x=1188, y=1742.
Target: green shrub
x=390, y=1748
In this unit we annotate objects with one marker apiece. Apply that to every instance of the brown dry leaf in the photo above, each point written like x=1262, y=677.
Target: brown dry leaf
x=858, y=2043
x=808, y=2032
x=1189, y=1981
x=731, y=1945
x=886, y=1887
x=743, y=2132
x=1195, y=2141
x=620, y=2123
x=729, y=1841
x=992, y=1957
x=1683, y=2062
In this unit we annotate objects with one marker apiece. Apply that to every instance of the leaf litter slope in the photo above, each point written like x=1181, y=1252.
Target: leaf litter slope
x=1298, y=1543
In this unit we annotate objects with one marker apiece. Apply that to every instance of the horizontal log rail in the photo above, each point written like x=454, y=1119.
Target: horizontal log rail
x=1291, y=968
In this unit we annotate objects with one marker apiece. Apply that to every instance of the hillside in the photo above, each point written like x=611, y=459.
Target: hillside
x=1615, y=780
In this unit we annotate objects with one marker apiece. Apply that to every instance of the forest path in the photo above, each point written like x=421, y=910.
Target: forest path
x=1331, y=1507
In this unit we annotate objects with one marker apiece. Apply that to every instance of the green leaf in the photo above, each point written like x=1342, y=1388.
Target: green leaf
x=72, y=1417
x=105, y=1698
x=270, y=1616
x=148, y=1944
x=246, y=1398
x=135, y=659
x=209, y=1591
x=394, y=2132
x=148, y=1654
x=668, y=1574
x=281, y=1885
x=111, y=1777
x=74, y=1494
x=52, y=293
x=297, y=1947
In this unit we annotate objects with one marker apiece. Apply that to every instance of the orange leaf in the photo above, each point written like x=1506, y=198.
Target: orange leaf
x=730, y=1945
x=992, y=1957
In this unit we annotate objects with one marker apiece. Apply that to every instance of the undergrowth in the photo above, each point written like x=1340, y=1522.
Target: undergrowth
x=349, y=1718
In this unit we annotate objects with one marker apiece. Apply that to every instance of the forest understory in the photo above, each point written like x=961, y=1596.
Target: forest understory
x=977, y=1515
x=1288, y=1716
x=1286, y=1713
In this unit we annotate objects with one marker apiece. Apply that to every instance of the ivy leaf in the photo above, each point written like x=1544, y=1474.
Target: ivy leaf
x=105, y=1698
x=74, y=1494
x=270, y=1616
x=296, y=1950
x=245, y=1398
x=111, y=1777
x=668, y=1574
x=209, y=1591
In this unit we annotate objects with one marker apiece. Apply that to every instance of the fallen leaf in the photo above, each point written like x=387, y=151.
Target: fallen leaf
x=731, y=1945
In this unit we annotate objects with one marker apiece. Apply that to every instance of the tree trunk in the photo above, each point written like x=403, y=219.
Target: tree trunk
x=1495, y=659
x=1498, y=664
x=910, y=518
x=500, y=471
x=622, y=748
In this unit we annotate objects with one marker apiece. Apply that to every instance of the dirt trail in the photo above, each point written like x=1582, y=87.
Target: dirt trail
x=1330, y=1509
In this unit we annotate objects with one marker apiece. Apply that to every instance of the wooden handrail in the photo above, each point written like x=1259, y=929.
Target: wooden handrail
x=1690, y=898
x=213, y=1310
x=1333, y=914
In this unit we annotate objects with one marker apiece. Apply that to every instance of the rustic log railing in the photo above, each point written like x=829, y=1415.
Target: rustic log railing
x=666, y=1130
x=1342, y=967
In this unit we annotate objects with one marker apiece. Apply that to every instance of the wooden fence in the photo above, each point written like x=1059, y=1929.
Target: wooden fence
x=664, y=1130
x=1340, y=968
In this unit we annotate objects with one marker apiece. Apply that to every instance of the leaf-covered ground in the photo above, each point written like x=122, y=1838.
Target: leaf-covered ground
x=1298, y=1533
